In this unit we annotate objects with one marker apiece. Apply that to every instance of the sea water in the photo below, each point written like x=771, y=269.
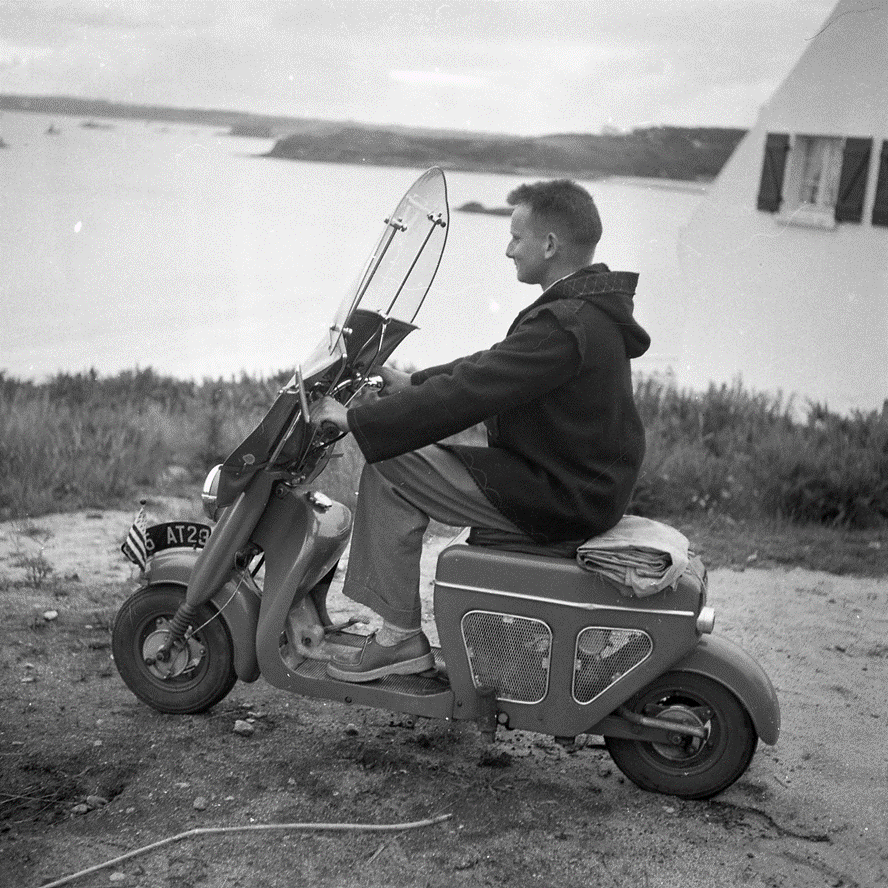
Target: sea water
x=134, y=244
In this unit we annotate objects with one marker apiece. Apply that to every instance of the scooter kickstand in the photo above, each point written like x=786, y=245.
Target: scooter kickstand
x=487, y=713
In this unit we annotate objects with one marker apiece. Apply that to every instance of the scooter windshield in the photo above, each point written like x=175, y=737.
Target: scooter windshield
x=379, y=309
x=374, y=317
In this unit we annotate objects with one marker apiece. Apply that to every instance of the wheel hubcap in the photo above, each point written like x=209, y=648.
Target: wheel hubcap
x=176, y=662
x=683, y=746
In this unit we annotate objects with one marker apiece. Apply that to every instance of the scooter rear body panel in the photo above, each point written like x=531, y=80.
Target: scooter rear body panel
x=561, y=646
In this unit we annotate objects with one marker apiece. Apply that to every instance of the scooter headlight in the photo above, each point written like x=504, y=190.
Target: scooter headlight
x=210, y=493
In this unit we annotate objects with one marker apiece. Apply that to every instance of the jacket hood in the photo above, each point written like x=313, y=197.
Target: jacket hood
x=611, y=292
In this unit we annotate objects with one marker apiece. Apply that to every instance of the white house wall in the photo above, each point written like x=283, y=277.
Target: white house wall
x=784, y=307
x=841, y=78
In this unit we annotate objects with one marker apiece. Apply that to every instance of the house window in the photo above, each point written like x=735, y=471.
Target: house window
x=820, y=161
x=814, y=180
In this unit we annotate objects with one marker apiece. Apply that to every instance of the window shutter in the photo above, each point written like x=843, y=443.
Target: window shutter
x=880, y=207
x=770, y=194
x=852, y=184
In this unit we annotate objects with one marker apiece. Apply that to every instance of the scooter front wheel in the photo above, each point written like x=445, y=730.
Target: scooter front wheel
x=195, y=676
x=691, y=767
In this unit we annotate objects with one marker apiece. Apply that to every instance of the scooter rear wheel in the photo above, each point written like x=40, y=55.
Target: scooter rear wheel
x=692, y=768
x=195, y=678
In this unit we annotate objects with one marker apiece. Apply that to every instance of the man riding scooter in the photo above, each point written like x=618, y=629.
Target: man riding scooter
x=565, y=441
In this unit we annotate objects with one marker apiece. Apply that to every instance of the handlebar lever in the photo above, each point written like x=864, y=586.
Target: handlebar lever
x=375, y=382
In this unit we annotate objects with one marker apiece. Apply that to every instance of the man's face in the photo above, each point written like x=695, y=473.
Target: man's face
x=527, y=247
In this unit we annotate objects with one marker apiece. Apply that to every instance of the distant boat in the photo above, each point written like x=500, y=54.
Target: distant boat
x=52, y=130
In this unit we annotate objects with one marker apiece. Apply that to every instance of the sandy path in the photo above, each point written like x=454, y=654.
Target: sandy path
x=813, y=809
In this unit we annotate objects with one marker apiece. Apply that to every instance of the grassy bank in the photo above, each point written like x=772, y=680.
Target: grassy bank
x=728, y=462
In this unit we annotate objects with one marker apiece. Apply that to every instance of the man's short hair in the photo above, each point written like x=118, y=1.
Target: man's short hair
x=563, y=203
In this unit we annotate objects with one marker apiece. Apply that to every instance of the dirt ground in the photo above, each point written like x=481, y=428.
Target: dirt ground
x=89, y=773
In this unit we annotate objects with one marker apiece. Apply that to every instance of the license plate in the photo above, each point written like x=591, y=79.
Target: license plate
x=177, y=535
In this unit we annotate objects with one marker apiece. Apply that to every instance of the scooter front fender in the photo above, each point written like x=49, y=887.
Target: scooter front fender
x=729, y=665
x=237, y=603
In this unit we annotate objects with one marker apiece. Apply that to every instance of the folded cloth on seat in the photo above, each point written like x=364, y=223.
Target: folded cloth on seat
x=642, y=555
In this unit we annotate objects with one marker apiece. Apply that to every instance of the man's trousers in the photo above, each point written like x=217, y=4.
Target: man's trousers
x=396, y=499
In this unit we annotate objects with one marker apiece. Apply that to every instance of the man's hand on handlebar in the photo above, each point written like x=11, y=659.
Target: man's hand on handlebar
x=328, y=410
x=395, y=380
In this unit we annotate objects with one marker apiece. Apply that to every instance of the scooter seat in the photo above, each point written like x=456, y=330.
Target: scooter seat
x=519, y=542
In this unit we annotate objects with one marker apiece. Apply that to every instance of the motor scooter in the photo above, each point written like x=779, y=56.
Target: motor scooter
x=528, y=638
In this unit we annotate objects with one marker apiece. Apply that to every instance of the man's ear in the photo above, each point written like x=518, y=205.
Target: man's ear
x=550, y=248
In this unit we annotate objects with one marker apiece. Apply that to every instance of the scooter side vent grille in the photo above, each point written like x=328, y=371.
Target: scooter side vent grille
x=508, y=653
x=604, y=656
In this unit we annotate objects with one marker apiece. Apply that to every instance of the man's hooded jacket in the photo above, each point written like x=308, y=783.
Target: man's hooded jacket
x=565, y=442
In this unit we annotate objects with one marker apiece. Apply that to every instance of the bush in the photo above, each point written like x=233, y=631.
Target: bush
x=82, y=441
x=52, y=456
x=743, y=454
x=833, y=472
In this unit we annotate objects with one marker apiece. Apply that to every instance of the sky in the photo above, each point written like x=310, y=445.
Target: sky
x=524, y=67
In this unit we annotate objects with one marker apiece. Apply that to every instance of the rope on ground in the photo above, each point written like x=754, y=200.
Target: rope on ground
x=258, y=827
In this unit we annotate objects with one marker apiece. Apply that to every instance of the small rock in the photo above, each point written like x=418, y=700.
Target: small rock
x=351, y=730
x=200, y=804
x=291, y=781
x=605, y=770
x=116, y=877
x=243, y=727
x=96, y=801
x=80, y=809
x=50, y=615
x=27, y=679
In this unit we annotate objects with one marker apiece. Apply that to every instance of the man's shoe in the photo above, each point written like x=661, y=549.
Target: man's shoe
x=376, y=661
